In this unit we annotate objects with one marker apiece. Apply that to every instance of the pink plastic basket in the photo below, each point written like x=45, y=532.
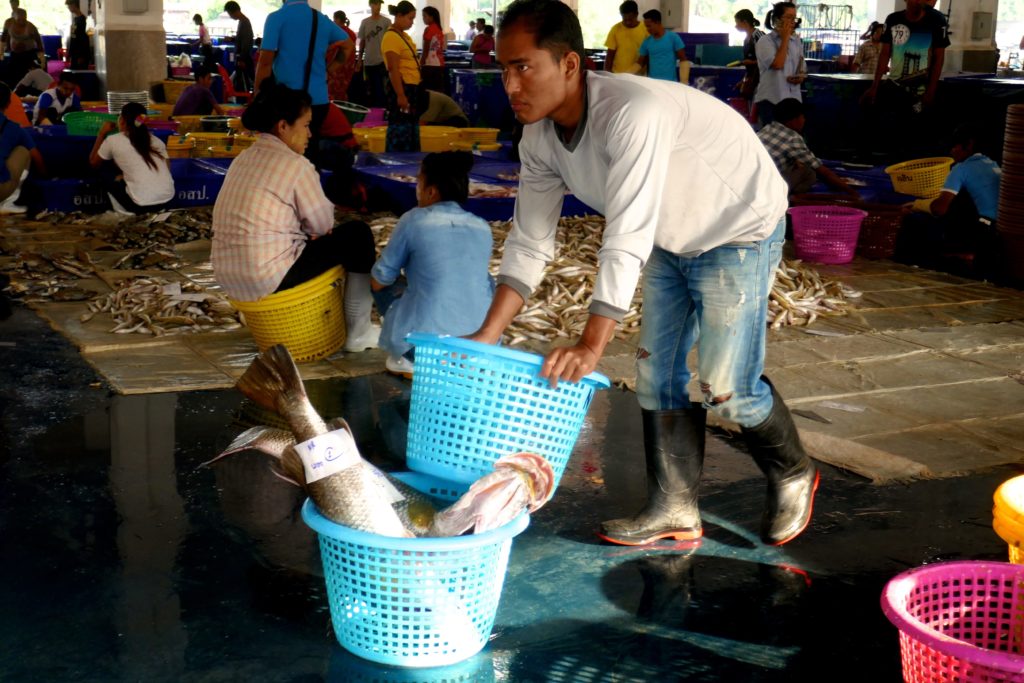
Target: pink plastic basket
x=826, y=234
x=959, y=621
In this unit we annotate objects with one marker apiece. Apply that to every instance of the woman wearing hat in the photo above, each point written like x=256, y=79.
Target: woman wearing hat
x=746, y=22
x=404, y=80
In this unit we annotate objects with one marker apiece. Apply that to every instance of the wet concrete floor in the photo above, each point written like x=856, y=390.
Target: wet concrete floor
x=121, y=561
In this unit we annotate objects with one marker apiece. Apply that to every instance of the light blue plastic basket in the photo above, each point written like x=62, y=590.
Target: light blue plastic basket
x=473, y=403
x=412, y=601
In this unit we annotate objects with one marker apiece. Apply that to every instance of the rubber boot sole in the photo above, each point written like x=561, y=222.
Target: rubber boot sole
x=810, y=514
x=673, y=535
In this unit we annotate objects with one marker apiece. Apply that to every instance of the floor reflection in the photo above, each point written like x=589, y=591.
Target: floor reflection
x=152, y=526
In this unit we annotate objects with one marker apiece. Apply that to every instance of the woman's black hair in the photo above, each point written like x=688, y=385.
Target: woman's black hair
x=776, y=12
x=433, y=14
x=871, y=29
x=488, y=30
x=138, y=132
x=402, y=8
x=275, y=103
x=449, y=173
x=555, y=27
x=197, y=17
x=747, y=16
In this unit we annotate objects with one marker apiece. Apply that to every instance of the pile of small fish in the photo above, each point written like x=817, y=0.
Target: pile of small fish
x=800, y=296
x=153, y=305
x=167, y=229
x=360, y=495
x=155, y=256
x=41, y=277
x=559, y=307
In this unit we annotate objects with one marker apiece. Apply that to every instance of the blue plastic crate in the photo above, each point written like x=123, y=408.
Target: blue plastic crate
x=474, y=403
x=415, y=602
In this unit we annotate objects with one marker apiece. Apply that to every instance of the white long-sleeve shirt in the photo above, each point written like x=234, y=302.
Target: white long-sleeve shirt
x=667, y=165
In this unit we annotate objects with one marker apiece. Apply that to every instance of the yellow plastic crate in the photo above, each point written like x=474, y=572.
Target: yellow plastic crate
x=163, y=109
x=920, y=177
x=377, y=141
x=243, y=141
x=436, y=138
x=207, y=140
x=309, y=319
x=223, y=152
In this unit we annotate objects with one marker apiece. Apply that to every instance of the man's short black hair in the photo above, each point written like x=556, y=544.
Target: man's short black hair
x=653, y=15
x=231, y=6
x=788, y=109
x=554, y=25
x=68, y=77
x=965, y=135
x=201, y=71
x=628, y=7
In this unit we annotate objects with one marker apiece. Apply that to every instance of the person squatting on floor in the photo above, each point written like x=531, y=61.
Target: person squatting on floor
x=444, y=290
x=273, y=226
x=138, y=171
x=691, y=197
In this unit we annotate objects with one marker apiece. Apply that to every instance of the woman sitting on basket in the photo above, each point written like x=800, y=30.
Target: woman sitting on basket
x=273, y=227
x=143, y=182
x=444, y=251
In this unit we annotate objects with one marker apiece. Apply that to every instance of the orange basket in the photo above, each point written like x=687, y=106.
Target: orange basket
x=920, y=177
x=308, y=319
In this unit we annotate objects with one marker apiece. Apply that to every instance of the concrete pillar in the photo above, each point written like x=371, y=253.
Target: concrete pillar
x=130, y=42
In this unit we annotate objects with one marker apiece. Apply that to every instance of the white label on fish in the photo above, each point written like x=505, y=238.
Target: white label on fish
x=328, y=454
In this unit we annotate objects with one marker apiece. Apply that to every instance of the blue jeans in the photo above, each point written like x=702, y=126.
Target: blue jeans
x=718, y=300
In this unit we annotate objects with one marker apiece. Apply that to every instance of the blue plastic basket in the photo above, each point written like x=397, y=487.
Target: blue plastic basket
x=412, y=601
x=473, y=403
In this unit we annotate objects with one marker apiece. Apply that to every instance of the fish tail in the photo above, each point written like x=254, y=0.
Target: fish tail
x=272, y=377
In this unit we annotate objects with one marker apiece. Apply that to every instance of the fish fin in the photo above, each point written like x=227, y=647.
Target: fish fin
x=254, y=438
x=271, y=377
x=283, y=477
x=291, y=468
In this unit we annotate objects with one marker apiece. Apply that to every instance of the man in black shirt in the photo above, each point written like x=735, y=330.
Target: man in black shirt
x=915, y=43
x=79, y=51
x=244, y=67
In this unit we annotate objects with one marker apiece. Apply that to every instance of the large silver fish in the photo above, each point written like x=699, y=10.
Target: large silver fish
x=364, y=497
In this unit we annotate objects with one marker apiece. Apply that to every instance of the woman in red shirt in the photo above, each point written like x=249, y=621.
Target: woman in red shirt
x=432, y=61
x=482, y=47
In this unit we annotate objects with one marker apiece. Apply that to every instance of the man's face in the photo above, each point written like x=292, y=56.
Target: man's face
x=536, y=84
x=66, y=88
x=916, y=5
x=480, y=23
x=797, y=124
x=959, y=152
x=630, y=20
x=205, y=81
x=653, y=27
x=234, y=14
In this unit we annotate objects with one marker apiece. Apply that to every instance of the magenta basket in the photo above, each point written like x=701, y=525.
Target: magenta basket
x=826, y=234
x=959, y=621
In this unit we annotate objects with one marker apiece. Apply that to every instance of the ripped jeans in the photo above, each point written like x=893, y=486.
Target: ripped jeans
x=718, y=300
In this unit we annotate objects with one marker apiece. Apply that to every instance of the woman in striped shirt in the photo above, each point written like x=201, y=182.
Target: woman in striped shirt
x=273, y=226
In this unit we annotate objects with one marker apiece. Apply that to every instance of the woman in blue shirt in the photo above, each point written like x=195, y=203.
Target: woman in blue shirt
x=445, y=252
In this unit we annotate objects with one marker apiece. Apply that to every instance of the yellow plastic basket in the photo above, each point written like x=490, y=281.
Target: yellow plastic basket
x=163, y=109
x=468, y=146
x=204, y=140
x=188, y=124
x=436, y=138
x=920, y=177
x=483, y=135
x=309, y=319
x=180, y=147
x=377, y=141
x=229, y=152
x=243, y=141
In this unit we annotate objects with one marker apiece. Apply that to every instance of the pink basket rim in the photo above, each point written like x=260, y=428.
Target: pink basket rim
x=847, y=211
x=902, y=583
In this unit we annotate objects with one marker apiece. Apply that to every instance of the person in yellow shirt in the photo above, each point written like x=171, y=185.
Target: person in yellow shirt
x=403, y=80
x=624, y=40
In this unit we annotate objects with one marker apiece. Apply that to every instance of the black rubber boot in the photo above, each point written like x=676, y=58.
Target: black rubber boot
x=674, y=449
x=792, y=476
